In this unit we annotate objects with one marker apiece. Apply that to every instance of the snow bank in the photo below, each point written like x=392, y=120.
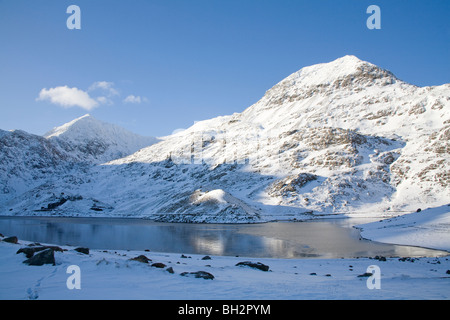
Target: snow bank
x=428, y=228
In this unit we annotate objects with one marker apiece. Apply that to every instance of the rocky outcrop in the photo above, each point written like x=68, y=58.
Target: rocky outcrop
x=255, y=265
x=198, y=274
x=12, y=239
x=31, y=250
x=46, y=256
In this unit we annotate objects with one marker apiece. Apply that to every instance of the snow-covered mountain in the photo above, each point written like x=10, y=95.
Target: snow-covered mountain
x=339, y=137
x=29, y=161
x=91, y=140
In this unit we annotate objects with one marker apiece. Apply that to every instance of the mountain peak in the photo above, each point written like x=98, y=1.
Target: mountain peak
x=347, y=72
x=87, y=115
x=84, y=120
x=349, y=59
x=348, y=66
x=97, y=140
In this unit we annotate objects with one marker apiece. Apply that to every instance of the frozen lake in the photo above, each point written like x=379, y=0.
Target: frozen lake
x=324, y=238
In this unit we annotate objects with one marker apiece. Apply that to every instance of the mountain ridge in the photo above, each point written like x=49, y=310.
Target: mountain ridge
x=29, y=160
x=344, y=137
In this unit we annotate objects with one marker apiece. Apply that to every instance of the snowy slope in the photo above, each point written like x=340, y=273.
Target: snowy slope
x=423, y=228
x=27, y=161
x=344, y=137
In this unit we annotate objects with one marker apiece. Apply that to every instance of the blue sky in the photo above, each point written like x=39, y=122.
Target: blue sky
x=156, y=66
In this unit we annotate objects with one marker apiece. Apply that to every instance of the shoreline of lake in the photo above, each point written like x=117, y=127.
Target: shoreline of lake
x=267, y=240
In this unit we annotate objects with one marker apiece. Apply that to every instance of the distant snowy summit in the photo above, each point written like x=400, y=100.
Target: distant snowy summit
x=344, y=137
x=29, y=160
x=89, y=139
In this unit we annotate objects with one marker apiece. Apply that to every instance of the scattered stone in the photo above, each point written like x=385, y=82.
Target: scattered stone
x=141, y=258
x=82, y=250
x=406, y=259
x=12, y=239
x=447, y=272
x=256, y=265
x=46, y=256
x=198, y=274
x=380, y=258
x=185, y=257
x=206, y=258
x=170, y=270
x=103, y=260
x=313, y=274
x=418, y=210
x=365, y=274
x=328, y=275
x=158, y=265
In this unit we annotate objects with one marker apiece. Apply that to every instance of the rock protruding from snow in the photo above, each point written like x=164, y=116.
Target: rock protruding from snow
x=46, y=256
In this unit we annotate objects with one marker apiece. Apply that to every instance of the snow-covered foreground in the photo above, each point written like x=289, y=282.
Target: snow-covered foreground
x=112, y=275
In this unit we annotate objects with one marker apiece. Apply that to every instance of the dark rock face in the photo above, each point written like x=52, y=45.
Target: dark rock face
x=291, y=184
x=46, y=256
x=56, y=204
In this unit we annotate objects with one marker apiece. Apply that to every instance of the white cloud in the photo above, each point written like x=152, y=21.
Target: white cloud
x=104, y=100
x=135, y=99
x=68, y=97
x=106, y=86
x=99, y=93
